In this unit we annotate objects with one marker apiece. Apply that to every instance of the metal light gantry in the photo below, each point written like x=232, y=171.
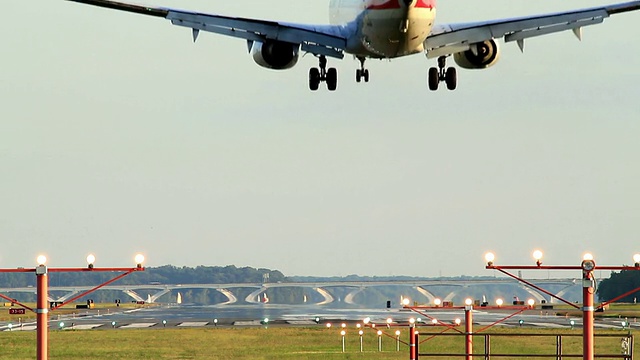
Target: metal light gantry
x=588, y=266
x=42, y=290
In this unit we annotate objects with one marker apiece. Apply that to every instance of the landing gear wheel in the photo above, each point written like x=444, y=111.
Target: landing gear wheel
x=362, y=73
x=321, y=74
x=332, y=79
x=451, y=78
x=314, y=79
x=443, y=74
x=434, y=79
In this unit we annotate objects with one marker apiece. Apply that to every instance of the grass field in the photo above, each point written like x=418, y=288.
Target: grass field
x=272, y=343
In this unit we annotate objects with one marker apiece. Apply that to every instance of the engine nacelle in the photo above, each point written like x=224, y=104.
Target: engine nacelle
x=275, y=55
x=480, y=56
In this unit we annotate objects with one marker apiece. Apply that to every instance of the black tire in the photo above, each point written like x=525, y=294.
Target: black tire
x=358, y=75
x=314, y=79
x=332, y=79
x=366, y=75
x=451, y=78
x=434, y=79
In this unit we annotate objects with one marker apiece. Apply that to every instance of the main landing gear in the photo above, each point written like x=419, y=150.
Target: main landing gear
x=362, y=73
x=318, y=75
x=442, y=74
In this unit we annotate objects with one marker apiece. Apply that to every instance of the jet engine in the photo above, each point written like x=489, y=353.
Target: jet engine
x=275, y=55
x=480, y=56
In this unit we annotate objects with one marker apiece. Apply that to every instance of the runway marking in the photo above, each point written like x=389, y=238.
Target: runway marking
x=83, y=327
x=301, y=322
x=194, y=324
x=607, y=326
x=137, y=325
x=247, y=323
x=22, y=328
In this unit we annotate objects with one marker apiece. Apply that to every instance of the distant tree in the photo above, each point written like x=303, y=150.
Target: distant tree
x=618, y=284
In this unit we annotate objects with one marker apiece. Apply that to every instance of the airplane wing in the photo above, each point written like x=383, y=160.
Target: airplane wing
x=454, y=38
x=328, y=40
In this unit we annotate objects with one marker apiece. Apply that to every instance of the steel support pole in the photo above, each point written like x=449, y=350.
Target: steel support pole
x=468, y=329
x=587, y=315
x=42, y=312
x=412, y=342
x=416, y=338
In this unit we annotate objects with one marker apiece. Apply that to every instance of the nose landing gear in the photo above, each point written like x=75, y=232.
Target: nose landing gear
x=443, y=74
x=322, y=74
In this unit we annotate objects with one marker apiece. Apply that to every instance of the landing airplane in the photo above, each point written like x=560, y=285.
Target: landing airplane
x=378, y=29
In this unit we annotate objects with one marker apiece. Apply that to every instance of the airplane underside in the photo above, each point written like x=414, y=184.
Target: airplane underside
x=380, y=29
x=387, y=34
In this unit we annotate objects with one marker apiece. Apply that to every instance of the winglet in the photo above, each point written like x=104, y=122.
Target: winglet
x=578, y=32
x=196, y=32
x=521, y=45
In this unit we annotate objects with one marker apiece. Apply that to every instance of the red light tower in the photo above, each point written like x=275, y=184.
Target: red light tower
x=42, y=289
x=587, y=268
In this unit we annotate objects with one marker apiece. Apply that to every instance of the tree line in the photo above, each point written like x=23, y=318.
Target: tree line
x=618, y=284
x=167, y=274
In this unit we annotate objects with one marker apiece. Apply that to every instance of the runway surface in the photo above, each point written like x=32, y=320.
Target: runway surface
x=212, y=316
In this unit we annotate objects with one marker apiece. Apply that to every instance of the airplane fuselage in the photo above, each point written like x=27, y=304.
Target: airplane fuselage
x=385, y=28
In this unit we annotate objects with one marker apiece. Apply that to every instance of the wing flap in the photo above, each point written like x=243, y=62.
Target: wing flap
x=327, y=40
x=528, y=27
x=254, y=29
x=525, y=34
x=449, y=39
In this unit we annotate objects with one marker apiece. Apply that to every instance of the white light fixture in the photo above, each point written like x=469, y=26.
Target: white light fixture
x=531, y=302
x=499, y=302
x=139, y=259
x=437, y=302
x=588, y=264
x=91, y=259
x=41, y=260
x=489, y=257
x=636, y=259
x=468, y=302
x=537, y=255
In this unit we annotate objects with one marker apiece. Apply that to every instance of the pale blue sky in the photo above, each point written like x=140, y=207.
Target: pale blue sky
x=118, y=135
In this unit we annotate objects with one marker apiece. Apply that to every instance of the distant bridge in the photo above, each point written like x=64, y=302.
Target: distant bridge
x=424, y=287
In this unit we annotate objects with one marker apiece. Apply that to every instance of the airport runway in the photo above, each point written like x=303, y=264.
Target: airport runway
x=211, y=316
